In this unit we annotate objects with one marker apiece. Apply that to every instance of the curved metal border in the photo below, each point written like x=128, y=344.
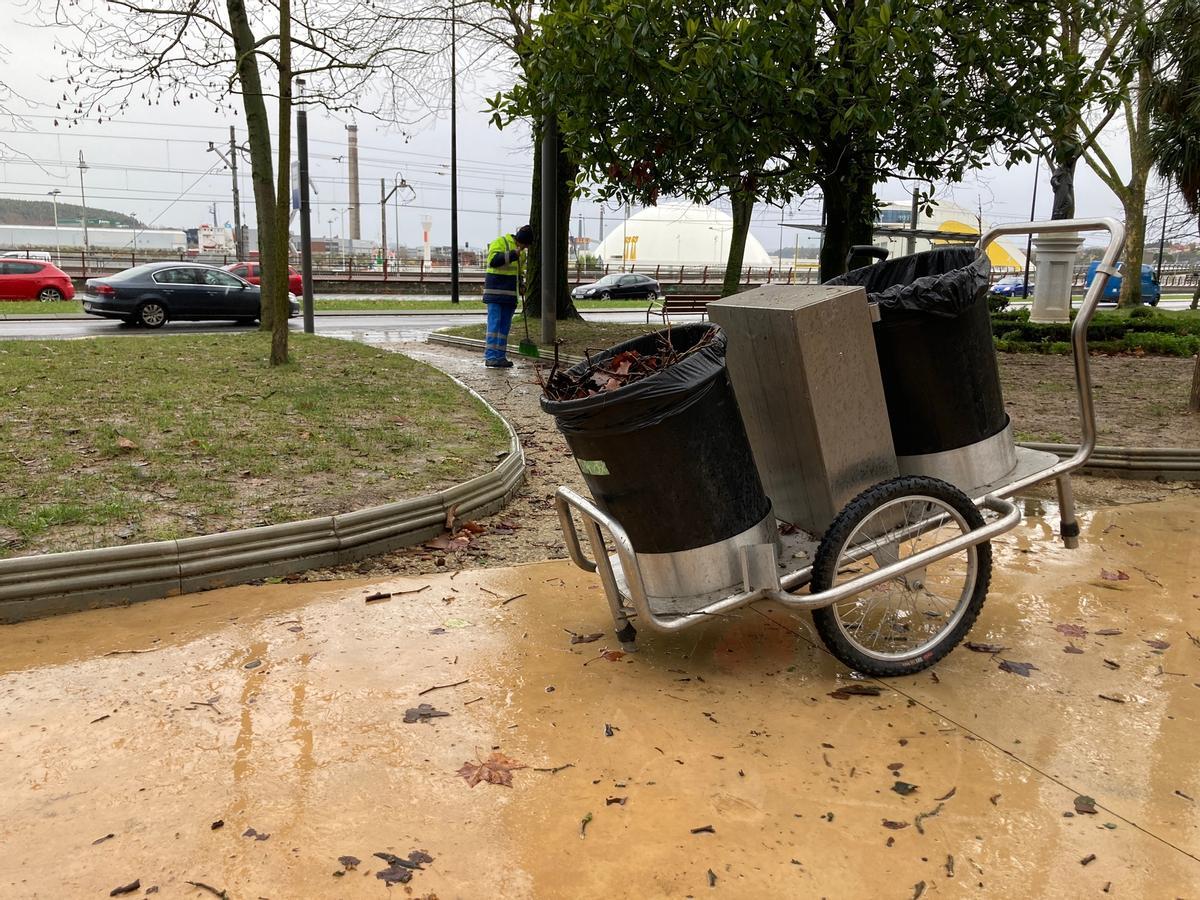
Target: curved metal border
x=36, y=586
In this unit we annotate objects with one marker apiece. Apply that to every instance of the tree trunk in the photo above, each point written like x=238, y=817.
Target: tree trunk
x=849, y=216
x=743, y=207
x=1194, y=400
x=565, y=308
x=258, y=135
x=275, y=271
x=1134, y=200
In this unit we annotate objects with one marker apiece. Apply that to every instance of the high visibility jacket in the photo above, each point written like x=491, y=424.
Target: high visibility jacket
x=503, y=273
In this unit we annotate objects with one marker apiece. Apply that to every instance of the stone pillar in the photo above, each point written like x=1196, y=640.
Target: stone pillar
x=1055, y=255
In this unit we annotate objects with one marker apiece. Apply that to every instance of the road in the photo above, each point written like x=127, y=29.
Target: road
x=369, y=329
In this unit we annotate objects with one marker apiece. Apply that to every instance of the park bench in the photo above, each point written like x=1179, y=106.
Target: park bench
x=680, y=305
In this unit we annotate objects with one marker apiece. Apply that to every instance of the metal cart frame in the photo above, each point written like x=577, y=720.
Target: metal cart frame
x=621, y=574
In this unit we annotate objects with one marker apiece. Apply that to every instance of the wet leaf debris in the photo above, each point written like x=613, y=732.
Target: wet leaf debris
x=625, y=368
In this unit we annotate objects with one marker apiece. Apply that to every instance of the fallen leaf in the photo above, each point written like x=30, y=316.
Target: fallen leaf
x=846, y=691
x=126, y=888
x=995, y=799
x=1115, y=698
x=1091, y=857
x=422, y=713
x=903, y=788
x=895, y=826
x=586, y=638
x=126, y=446
x=948, y=794
x=1113, y=576
x=610, y=655
x=1071, y=630
x=985, y=648
x=257, y=835
x=1108, y=632
x=451, y=515
x=1017, y=668
x=496, y=769
x=1085, y=805
x=394, y=875
x=615, y=801
x=1111, y=664
x=704, y=829
x=1158, y=644
x=895, y=767
x=1071, y=648
x=473, y=527
x=101, y=840
x=349, y=863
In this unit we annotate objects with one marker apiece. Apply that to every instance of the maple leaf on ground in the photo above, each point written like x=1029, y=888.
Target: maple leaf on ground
x=1113, y=576
x=496, y=769
x=1071, y=630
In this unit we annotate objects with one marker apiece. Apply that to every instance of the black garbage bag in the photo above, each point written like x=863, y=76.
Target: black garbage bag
x=934, y=342
x=667, y=456
x=942, y=282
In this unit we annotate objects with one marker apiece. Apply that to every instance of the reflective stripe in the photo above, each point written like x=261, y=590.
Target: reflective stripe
x=501, y=291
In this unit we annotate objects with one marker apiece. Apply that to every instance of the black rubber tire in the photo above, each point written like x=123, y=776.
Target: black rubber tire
x=830, y=549
x=652, y=296
x=146, y=309
x=605, y=295
x=50, y=295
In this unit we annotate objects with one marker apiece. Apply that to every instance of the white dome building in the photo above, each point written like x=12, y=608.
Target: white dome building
x=676, y=234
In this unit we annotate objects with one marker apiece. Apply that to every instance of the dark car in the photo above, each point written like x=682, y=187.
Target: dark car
x=1011, y=286
x=154, y=294
x=619, y=286
x=252, y=272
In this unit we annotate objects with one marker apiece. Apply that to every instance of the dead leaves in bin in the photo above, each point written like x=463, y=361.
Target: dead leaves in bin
x=625, y=368
x=496, y=769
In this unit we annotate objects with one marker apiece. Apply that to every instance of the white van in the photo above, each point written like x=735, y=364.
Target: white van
x=40, y=255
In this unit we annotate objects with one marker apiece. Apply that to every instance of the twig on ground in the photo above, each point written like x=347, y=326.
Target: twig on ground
x=438, y=687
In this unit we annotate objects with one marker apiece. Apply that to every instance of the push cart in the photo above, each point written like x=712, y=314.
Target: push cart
x=898, y=577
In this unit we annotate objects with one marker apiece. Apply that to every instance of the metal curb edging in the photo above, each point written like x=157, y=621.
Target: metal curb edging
x=35, y=586
x=1164, y=463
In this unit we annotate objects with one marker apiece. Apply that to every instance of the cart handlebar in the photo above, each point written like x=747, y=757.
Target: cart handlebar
x=1079, y=344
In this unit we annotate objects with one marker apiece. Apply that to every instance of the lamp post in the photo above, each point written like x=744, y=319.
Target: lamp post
x=453, y=152
x=57, y=250
x=83, y=167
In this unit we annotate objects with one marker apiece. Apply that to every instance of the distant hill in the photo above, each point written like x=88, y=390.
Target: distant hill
x=41, y=212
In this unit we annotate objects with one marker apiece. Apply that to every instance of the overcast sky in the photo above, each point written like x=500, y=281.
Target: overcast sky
x=153, y=163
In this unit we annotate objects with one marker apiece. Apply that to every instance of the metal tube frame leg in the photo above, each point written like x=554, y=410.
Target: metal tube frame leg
x=625, y=631
x=1068, y=525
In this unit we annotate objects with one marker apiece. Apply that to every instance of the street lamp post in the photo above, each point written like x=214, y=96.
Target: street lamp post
x=83, y=167
x=57, y=248
x=453, y=152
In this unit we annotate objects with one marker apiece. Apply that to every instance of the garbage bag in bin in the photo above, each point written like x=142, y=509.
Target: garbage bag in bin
x=667, y=457
x=936, y=357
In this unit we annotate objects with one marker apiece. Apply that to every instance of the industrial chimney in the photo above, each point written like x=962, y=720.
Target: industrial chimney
x=352, y=158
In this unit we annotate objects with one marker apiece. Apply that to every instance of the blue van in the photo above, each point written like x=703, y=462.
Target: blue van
x=1151, y=292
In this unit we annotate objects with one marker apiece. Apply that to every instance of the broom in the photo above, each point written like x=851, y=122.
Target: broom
x=527, y=347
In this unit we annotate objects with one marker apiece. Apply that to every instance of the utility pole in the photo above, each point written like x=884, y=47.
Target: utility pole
x=1032, y=217
x=383, y=199
x=214, y=212
x=1162, y=237
x=83, y=167
x=238, y=246
x=454, y=152
x=549, y=235
x=912, y=237
x=306, y=289
x=600, y=233
x=57, y=244
x=499, y=212
x=352, y=197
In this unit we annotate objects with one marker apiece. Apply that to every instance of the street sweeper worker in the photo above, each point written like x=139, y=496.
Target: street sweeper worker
x=501, y=287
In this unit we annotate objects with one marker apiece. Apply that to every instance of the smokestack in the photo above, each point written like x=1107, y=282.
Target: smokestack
x=352, y=157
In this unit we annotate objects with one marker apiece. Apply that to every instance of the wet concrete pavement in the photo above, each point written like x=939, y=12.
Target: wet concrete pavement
x=280, y=708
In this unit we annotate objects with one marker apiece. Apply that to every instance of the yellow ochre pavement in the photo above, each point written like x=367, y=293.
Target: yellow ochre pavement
x=281, y=709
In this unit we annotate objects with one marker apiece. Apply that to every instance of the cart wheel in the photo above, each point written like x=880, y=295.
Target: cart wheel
x=909, y=623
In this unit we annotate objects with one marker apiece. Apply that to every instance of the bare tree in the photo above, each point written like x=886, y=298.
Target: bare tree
x=127, y=52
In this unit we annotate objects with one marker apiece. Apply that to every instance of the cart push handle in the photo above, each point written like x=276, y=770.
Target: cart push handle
x=1079, y=344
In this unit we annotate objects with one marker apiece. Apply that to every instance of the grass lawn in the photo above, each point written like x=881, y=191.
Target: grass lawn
x=349, y=304
x=576, y=336
x=142, y=438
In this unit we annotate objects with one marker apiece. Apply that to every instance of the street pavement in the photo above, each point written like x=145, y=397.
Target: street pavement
x=255, y=739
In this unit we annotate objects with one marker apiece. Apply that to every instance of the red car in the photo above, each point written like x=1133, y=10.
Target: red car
x=251, y=272
x=29, y=279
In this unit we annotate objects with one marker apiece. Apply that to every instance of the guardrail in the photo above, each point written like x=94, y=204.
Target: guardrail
x=36, y=586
